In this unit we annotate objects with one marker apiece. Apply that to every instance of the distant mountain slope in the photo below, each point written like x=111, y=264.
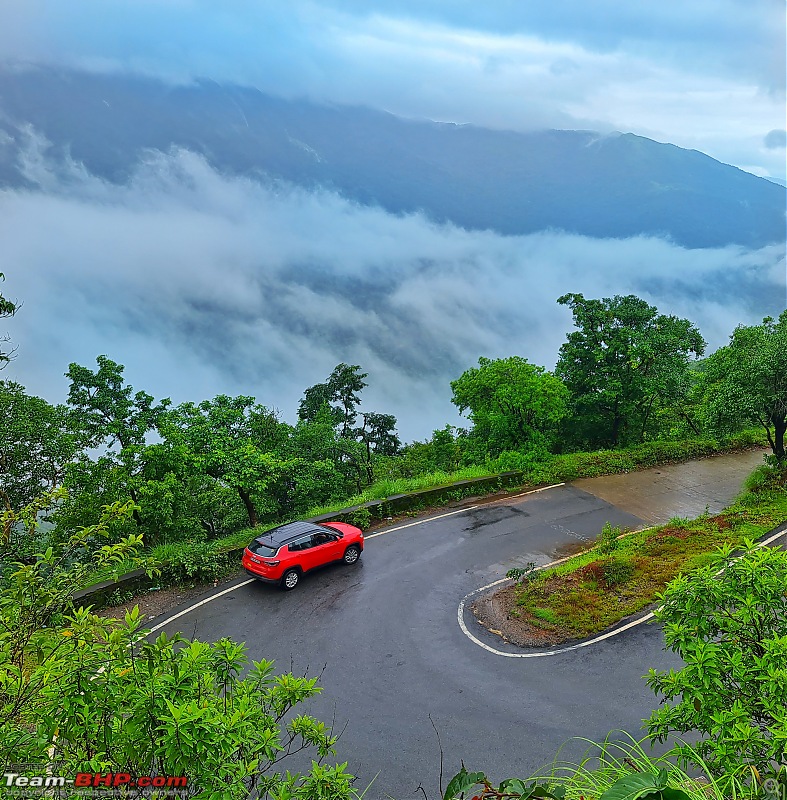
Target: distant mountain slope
x=515, y=183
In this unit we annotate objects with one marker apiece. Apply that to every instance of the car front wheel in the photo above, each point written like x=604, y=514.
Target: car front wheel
x=290, y=579
x=352, y=554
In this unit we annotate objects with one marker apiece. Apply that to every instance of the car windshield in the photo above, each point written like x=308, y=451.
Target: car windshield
x=260, y=549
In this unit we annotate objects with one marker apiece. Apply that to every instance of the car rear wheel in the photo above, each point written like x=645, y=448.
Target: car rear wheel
x=352, y=554
x=290, y=579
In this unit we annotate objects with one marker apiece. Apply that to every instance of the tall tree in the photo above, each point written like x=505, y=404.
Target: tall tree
x=108, y=408
x=342, y=394
x=514, y=405
x=746, y=381
x=7, y=309
x=623, y=362
x=113, y=416
x=37, y=442
x=378, y=435
x=237, y=443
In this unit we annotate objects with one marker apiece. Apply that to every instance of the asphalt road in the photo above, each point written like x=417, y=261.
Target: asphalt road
x=395, y=662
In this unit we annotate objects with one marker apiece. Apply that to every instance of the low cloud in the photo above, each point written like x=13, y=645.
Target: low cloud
x=201, y=284
x=775, y=139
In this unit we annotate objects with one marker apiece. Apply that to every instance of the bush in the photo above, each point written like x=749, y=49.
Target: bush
x=608, y=541
x=521, y=573
x=361, y=518
x=617, y=571
x=728, y=623
x=198, y=562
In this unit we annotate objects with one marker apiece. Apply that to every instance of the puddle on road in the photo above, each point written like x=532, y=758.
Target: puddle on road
x=676, y=490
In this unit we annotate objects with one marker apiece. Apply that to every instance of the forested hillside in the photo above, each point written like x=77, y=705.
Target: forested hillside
x=201, y=471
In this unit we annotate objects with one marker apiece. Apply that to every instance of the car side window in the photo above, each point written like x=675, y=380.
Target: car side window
x=321, y=538
x=301, y=544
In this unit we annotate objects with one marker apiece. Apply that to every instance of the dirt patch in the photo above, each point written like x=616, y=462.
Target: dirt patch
x=499, y=614
x=155, y=603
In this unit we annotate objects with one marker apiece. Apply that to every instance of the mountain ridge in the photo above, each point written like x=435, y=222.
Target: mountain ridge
x=604, y=186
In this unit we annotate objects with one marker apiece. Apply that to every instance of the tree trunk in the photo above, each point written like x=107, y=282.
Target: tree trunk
x=779, y=428
x=250, y=510
x=135, y=512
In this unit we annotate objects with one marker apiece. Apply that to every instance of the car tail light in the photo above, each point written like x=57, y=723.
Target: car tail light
x=271, y=563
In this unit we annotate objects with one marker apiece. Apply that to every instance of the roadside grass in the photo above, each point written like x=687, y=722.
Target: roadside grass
x=620, y=755
x=389, y=487
x=595, y=589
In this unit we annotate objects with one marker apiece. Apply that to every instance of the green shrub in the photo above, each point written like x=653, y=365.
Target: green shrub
x=608, y=540
x=728, y=623
x=617, y=571
x=197, y=562
x=520, y=573
x=361, y=518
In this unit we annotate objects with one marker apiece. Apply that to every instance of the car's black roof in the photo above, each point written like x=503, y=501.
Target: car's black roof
x=286, y=533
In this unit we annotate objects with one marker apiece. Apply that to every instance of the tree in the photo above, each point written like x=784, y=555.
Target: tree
x=378, y=435
x=7, y=309
x=340, y=396
x=83, y=693
x=728, y=623
x=108, y=409
x=115, y=417
x=514, y=405
x=746, y=381
x=237, y=443
x=624, y=361
x=340, y=392
x=37, y=442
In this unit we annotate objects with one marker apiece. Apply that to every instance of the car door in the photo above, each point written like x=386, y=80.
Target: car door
x=326, y=546
x=304, y=552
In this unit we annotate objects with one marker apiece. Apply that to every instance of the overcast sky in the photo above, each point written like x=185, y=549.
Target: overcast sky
x=193, y=279
x=703, y=74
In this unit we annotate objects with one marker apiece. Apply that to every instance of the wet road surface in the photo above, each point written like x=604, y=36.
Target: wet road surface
x=676, y=490
x=394, y=661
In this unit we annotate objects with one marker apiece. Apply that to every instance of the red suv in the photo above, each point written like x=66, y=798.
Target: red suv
x=283, y=554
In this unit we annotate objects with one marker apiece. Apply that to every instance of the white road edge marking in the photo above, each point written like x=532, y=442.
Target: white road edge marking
x=543, y=653
x=207, y=600
x=197, y=605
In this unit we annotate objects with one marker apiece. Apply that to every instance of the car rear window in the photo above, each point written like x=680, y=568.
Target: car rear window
x=260, y=549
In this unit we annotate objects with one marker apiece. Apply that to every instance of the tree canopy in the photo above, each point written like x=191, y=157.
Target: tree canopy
x=514, y=405
x=747, y=381
x=623, y=361
x=7, y=309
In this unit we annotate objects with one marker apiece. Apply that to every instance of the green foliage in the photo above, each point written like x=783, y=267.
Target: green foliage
x=608, y=539
x=236, y=443
x=624, y=362
x=465, y=785
x=728, y=623
x=107, y=408
x=617, y=571
x=196, y=562
x=644, y=786
x=336, y=401
x=746, y=381
x=7, y=309
x=81, y=693
x=520, y=574
x=513, y=405
x=616, y=763
x=361, y=518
